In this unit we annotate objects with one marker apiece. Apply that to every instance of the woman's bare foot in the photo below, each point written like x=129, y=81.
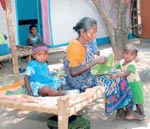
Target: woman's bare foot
x=137, y=111
x=131, y=115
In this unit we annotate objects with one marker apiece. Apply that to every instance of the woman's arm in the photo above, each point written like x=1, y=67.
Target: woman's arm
x=85, y=67
x=27, y=84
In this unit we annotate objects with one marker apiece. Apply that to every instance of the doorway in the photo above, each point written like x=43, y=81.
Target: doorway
x=28, y=12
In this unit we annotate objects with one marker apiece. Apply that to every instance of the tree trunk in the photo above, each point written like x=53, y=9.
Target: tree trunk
x=118, y=36
x=12, y=39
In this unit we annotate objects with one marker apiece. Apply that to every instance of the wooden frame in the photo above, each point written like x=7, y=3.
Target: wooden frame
x=27, y=51
x=64, y=107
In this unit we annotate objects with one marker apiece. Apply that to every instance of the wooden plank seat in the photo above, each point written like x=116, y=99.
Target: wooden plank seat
x=63, y=106
x=21, y=50
x=27, y=51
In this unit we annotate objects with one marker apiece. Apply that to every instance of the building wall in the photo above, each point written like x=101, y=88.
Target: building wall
x=3, y=23
x=65, y=14
x=59, y=17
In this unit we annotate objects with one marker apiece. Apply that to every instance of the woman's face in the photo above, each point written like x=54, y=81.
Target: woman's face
x=90, y=35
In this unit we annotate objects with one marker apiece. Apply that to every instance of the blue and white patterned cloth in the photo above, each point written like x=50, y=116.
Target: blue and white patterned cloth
x=117, y=91
x=40, y=76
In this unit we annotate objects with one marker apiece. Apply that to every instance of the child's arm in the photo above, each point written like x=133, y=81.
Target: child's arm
x=27, y=84
x=30, y=42
x=131, y=69
x=120, y=74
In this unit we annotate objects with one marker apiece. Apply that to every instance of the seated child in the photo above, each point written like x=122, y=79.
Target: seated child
x=38, y=79
x=33, y=37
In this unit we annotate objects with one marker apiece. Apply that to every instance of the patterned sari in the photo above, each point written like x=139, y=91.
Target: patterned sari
x=117, y=91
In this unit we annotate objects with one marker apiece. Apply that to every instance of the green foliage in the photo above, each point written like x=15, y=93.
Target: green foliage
x=2, y=39
x=75, y=122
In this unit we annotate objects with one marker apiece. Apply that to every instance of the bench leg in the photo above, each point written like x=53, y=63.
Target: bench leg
x=63, y=117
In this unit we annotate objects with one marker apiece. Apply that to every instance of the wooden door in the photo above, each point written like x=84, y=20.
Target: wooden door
x=145, y=18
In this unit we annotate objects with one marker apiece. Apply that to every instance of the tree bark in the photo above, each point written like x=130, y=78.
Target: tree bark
x=12, y=39
x=118, y=36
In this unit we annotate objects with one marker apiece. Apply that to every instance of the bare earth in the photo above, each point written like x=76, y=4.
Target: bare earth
x=14, y=119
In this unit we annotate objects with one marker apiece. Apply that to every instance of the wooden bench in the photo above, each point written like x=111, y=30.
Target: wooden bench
x=63, y=106
x=27, y=51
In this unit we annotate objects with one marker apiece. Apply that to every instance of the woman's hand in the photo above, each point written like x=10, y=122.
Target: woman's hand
x=100, y=60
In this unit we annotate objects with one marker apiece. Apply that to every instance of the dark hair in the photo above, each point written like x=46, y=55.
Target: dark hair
x=32, y=26
x=85, y=23
x=131, y=47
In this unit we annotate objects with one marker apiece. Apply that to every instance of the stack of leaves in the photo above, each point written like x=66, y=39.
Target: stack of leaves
x=100, y=69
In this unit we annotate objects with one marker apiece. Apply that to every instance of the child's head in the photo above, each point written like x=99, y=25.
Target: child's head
x=40, y=53
x=86, y=28
x=130, y=52
x=33, y=29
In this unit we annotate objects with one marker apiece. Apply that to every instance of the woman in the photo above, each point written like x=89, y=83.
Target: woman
x=78, y=62
x=78, y=57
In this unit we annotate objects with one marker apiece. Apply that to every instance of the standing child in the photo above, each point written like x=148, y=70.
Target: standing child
x=38, y=79
x=129, y=69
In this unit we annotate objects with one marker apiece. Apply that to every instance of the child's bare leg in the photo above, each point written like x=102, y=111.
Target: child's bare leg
x=140, y=109
x=46, y=91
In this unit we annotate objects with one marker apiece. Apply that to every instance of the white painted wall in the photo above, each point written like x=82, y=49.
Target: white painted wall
x=3, y=22
x=66, y=13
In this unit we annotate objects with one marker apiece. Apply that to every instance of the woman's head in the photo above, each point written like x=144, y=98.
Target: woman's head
x=130, y=52
x=40, y=53
x=86, y=29
x=33, y=29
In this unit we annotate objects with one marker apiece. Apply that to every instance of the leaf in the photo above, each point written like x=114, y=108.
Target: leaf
x=100, y=69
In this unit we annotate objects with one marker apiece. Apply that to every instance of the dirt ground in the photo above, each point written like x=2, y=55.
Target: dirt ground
x=14, y=119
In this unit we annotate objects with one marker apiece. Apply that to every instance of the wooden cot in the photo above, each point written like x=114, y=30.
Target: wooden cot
x=63, y=106
x=21, y=50
x=27, y=51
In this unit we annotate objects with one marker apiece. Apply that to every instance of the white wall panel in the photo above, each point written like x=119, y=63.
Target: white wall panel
x=66, y=13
